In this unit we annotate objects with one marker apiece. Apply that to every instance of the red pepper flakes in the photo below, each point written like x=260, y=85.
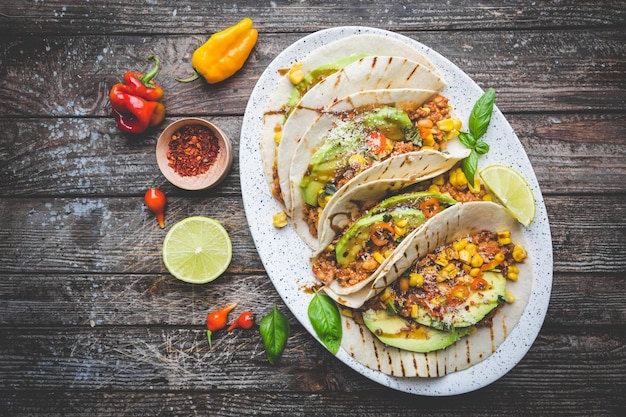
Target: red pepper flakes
x=192, y=150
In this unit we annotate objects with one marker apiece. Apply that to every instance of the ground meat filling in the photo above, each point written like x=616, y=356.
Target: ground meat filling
x=327, y=270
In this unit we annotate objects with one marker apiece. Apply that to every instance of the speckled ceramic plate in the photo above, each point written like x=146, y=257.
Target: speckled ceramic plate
x=286, y=257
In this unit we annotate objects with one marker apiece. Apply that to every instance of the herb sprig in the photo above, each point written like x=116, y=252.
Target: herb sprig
x=275, y=330
x=479, y=120
x=326, y=321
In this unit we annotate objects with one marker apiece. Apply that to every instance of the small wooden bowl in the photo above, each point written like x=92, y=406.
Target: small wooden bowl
x=216, y=173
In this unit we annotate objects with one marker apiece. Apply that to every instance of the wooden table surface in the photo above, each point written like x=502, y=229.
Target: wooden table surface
x=91, y=323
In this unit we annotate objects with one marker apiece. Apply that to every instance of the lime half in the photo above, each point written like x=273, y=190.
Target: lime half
x=512, y=190
x=197, y=250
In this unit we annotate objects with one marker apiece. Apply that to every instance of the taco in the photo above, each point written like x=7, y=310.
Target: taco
x=448, y=300
x=355, y=257
x=319, y=64
x=370, y=136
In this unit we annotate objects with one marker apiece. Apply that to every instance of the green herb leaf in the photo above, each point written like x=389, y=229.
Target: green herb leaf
x=480, y=117
x=275, y=330
x=469, y=166
x=481, y=147
x=467, y=139
x=326, y=321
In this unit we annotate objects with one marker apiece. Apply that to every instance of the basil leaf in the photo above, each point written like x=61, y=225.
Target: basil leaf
x=326, y=321
x=467, y=139
x=480, y=117
x=469, y=166
x=274, y=329
x=481, y=147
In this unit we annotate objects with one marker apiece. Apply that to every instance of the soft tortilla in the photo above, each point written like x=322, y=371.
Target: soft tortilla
x=369, y=73
x=371, y=44
x=453, y=223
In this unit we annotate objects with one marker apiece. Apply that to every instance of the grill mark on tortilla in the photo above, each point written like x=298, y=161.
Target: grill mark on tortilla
x=468, y=352
x=493, y=339
x=413, y=72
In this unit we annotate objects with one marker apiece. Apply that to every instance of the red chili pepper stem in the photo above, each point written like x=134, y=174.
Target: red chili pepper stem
x=147, y=77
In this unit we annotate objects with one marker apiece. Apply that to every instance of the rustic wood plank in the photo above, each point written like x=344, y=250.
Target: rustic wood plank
x=196, y=16
x=578, y=300
x=570, y=153
x=119, y=235
x=375, y=402
x=179, y=359
x=532, y=71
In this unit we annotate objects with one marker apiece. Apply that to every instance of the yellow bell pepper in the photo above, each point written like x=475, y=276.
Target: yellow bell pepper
x=224, y=53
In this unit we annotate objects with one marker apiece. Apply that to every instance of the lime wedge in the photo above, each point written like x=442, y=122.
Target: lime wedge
x=197, y=250
x=512, y=190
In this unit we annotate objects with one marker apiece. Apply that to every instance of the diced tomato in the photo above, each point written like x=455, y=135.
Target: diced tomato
x=376, y=142
x=458, y=294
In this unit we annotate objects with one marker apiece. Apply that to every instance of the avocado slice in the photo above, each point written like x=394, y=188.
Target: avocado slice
x=315, y=76
x=394, y=331
x=390, y=121
x=354, y=239
x=342, y=142
x=473, y=309
x=403, y=206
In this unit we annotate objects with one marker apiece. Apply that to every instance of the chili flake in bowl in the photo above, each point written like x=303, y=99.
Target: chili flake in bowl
x=194, y=154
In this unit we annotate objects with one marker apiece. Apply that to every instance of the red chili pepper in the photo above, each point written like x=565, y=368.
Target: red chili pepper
x=430, y=207
x=377, y=234
x=155, y=201
x=376, y=142
x=136, y=103
x=478, y=284
x=244, y=321
x=216, y=320
x=458, y=294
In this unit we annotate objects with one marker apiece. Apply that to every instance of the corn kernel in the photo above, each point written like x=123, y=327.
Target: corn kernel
x=498, y=257
x=378, y=257
x=388, y=253
x=428, y=140
x=474, y=272
x=414, y=311
x=416, y=280
x=403, y=284
x=464, y=256
x=438, y=180
x=399, y=231
x=387, y=294
x=475, y=188
x=512, y=276
x=504, y=237
x=471, y=248
x=277, y=135
x=426, y=148
x=441, y=261
x=452, y=134
x=519, y=253
x=346, y=312
x=477, y=261
x=295, y=73
x=509, y=296
x=357, y=161
x=425, y=110
x=279, y=220
x=458, y=124
x=446, y=125
x=467, y=268
x=487, y=197
x=459, y=244
x=433, y=188
x=402, y=222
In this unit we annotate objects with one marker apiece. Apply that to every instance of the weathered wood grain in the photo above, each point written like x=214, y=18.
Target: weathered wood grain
x=119, y=235
x=570, y=153
x=533, y=71
x=35, y=300
x=203, y=17
x=374, y=402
